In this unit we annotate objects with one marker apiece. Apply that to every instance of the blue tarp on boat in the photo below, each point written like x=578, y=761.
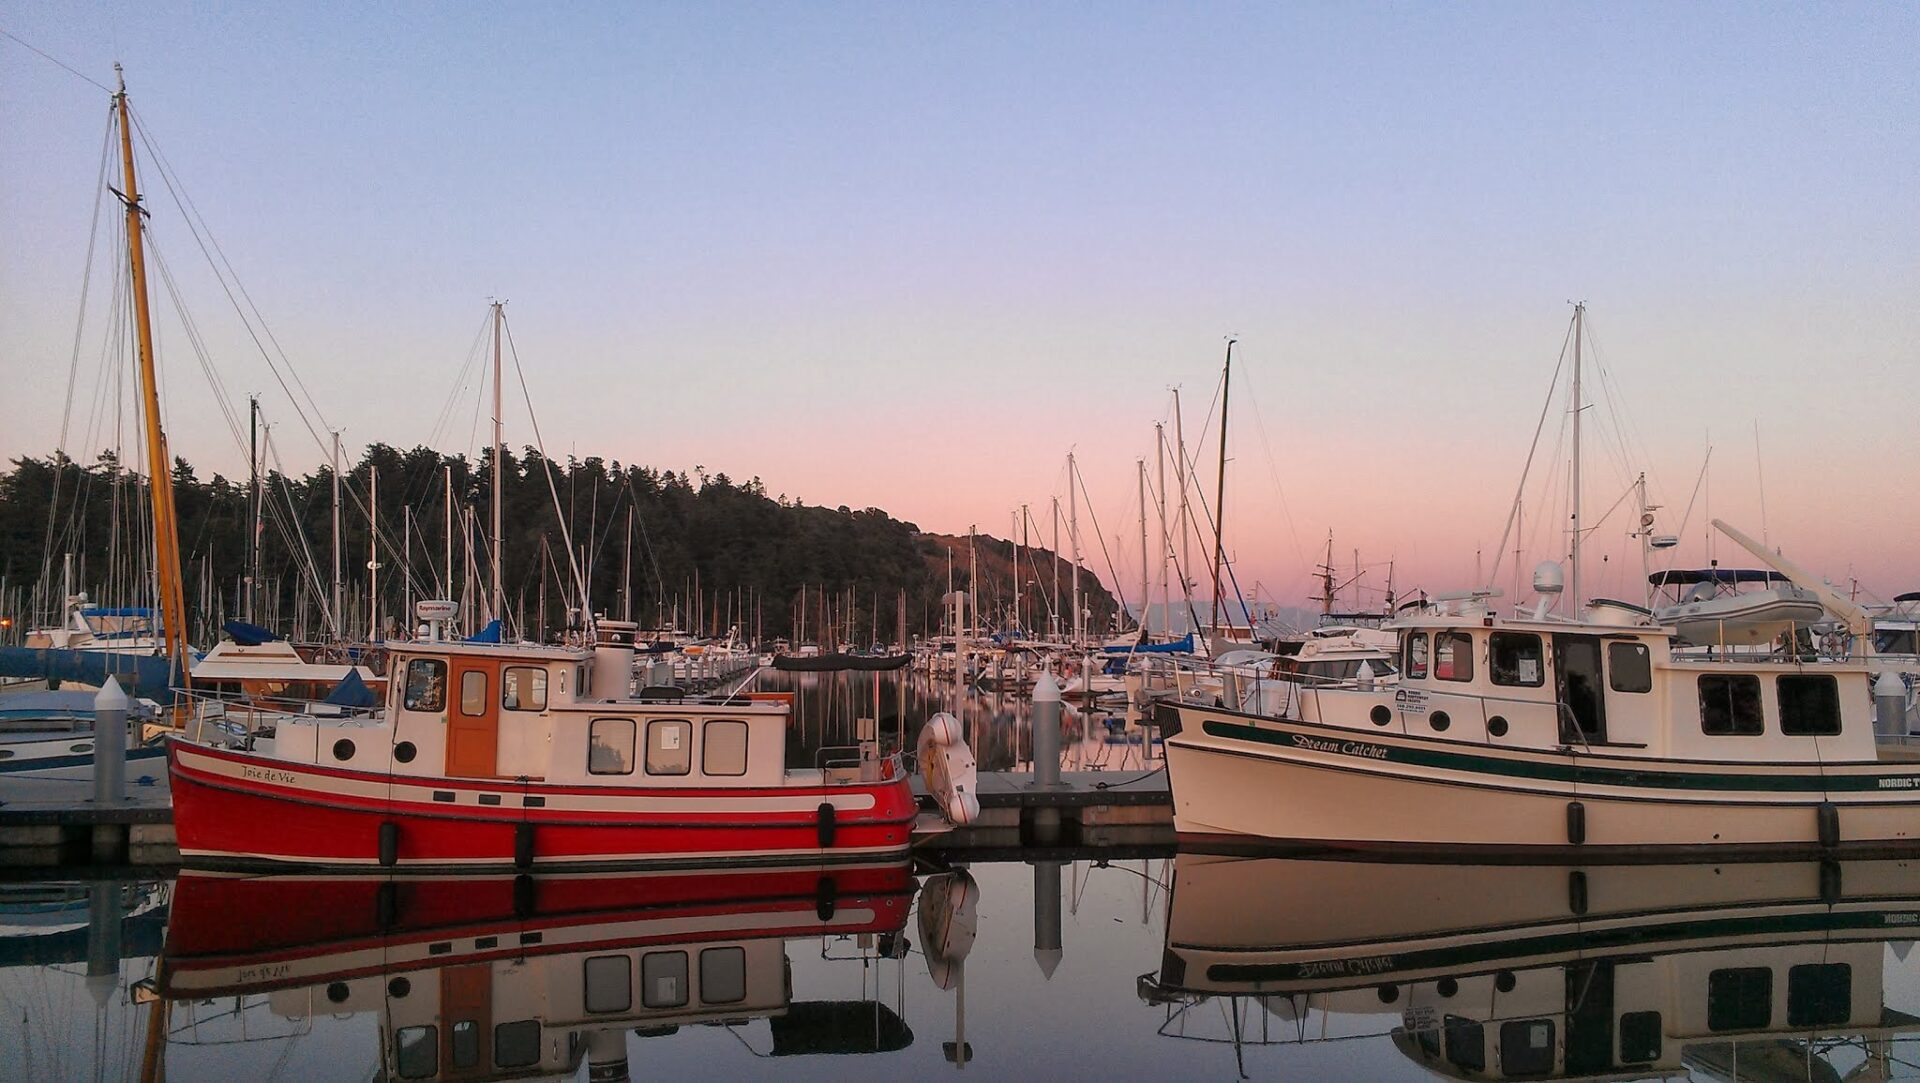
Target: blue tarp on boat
x=353, y=692
x=248, y=635
x=145, y=675
x=489, y=634
x=1183, y=645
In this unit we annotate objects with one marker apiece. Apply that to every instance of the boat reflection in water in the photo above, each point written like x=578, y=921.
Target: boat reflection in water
x=503, y=977
x=1737, y=971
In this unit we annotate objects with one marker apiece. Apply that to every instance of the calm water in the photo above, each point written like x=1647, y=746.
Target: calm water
x=1175, y=966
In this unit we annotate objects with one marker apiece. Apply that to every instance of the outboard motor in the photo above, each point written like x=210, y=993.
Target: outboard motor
x=613, y=659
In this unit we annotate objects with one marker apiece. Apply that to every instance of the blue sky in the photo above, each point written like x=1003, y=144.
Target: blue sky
x=907, y=255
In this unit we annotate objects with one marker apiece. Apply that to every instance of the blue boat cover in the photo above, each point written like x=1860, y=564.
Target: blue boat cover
x=1183, y=645
x=489, y=634
x=353, y=692
x=248, y=635
x=145, y=675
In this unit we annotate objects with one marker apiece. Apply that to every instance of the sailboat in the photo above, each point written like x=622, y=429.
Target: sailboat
x=1577, y=734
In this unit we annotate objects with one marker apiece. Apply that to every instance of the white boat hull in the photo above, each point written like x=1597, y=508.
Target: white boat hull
x=1241, y=777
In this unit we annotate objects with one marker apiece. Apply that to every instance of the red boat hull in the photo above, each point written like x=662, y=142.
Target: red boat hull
x=242, y=809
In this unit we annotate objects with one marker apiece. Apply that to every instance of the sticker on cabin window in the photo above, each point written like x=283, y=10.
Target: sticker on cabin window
x=1530, y=670
x=670, y=738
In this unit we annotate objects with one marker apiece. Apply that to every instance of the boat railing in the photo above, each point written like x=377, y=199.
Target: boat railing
x=849, y=764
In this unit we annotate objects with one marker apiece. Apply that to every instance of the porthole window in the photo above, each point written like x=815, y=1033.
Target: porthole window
x=1440, y=720
x=426, y=685
x=404, y=751
x=1380, y=714
x=343, y=749
x=610, y=746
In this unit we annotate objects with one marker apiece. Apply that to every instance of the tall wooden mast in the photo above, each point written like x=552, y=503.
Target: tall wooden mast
x=166, y=531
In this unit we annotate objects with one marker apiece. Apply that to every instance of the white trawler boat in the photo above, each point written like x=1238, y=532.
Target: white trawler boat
x=1539, y=733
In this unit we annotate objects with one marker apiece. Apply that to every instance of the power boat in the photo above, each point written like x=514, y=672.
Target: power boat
x=1537, y=733
x=491, y=755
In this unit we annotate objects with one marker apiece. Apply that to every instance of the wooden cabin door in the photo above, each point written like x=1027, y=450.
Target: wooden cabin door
x=466, y=1019
x=473, y=720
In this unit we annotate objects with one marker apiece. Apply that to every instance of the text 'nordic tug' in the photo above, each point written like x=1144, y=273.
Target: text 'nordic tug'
x=519, y=755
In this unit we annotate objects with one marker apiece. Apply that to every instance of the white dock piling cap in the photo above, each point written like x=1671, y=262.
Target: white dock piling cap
x=1046, y=689
x=110, y=697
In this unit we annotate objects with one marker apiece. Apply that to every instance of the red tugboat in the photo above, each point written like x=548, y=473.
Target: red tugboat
x=504, y=755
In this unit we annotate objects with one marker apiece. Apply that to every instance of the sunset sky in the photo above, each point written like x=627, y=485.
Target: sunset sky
x=909, y=256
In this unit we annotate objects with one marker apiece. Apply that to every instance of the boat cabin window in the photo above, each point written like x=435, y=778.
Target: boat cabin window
x=663, y=979
x=523, y=688
x=609, y=981
x=516, y=1044
x=1466, y=1044
x=723, y=975
x=463, y=1042
x=1819, y=994
x=723, y=748
x=1514, y=658
x=1896, y=641
x=1729, y=705
x=667, y=746
x=1416, y=655
x=416, y=1052
x=580, y=684
x=1526, y=1047
x=1809, y=705
x=1629, y=667
x=473, y=693
x=426, y=685
x=1453, y=656
x=1640, y=1037
x=1740, y=998
x=610, y=746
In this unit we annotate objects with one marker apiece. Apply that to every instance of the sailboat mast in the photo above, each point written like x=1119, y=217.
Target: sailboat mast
x=339, y=610
x=1144, y=600
x=497, y=600
x=373, y=553
x=1166, y=552
x=166, y=531
x=1180, y=478
x=1579, y=312
x=1073, y=534
x=447, y=469
x=1220, y=491
x=253, y=534
x=1013, y=541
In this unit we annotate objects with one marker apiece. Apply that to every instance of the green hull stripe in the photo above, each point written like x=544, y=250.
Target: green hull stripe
x=1567, y=770
x=1896, y=924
